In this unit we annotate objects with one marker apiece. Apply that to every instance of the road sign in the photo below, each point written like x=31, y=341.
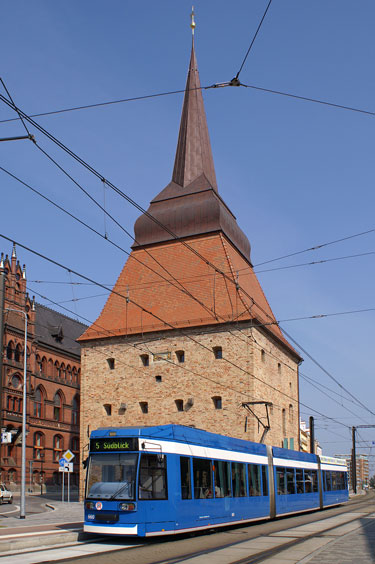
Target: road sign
x=67, y=467
x=68, y=455
x=62, y=461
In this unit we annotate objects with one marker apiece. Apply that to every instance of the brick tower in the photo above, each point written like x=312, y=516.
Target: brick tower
x=187, y=335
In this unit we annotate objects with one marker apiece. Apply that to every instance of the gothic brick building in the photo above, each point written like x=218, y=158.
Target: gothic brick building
x=187, y=335
x=53, y=383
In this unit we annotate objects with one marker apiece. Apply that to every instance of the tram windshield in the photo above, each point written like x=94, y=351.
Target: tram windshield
x=111, y=476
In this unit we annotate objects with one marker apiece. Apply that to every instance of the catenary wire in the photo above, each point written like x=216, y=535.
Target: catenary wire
x=59, y=265
x=130, y=200
x=316, y=247
x=185, y=368
x=254, y=38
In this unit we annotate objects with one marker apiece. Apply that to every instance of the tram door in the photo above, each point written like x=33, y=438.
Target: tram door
x=152, y=488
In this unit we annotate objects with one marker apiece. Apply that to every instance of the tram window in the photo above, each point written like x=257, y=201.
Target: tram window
x=280, y=481
x=222, y=478
x=290, y=481
x=185, y=477
x=254, y=479
x=328, y=481
x=153, y=477
x=299, y=481
x=265, y=480
x=314, y=476
x=334, y=480
x=238, y=479
x=308, y=482
x=202, y=472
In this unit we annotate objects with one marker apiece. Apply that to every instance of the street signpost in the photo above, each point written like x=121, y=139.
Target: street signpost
x=66, y=466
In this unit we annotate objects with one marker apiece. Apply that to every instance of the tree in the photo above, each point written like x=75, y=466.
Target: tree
x=372, y=482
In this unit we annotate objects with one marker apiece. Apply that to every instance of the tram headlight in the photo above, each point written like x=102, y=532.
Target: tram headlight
x=128, y=507
x=90, y=505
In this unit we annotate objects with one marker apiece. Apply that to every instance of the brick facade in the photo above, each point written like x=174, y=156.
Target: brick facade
x=53, y=385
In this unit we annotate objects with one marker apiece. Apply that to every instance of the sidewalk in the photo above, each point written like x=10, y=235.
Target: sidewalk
x=57, y=512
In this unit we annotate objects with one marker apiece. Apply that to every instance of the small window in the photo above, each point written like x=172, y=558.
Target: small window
x=145, y=359
x=263, y=355
x=111, y=363
x=108, y=408
x=158, y=379
x=179, y=404
x=144, y=406
x=180, y=356
x=217, y=402
x=185, y=477
x=279, y=367
x=218, y=352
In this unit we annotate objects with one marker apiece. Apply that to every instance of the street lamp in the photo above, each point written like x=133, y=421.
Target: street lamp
x=23, y=455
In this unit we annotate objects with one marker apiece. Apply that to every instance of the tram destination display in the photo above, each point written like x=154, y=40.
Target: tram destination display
x=113, y=444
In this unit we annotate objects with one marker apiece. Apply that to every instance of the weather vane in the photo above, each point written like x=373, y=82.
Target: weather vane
x=192, y=23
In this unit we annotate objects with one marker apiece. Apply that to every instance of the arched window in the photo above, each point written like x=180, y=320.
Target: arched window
x=38, y=446
x=57, y=407
x=69, y=373
x=290, y=413
x=50, y=368
x=74, y=375
x=16, y=381
x=39, y=403
x=38, y=364
x=44, y=366
x=56, y=370
x=58, y=446
x=75, y=410
x=18, y=353
x=62, y=370
x=283, y=415
x=10, y=350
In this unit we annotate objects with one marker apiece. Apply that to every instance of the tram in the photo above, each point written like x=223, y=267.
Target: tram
x=169, y=479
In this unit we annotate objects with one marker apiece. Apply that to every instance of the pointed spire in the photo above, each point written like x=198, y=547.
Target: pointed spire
x=2, y=260
x=14, y=253
x=193, y=155
x=24, y=272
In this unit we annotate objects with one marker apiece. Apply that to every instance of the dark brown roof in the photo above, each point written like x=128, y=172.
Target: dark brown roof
x=190, y=205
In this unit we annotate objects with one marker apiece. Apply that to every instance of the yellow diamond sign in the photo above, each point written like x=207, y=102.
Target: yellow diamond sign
x=68, y=455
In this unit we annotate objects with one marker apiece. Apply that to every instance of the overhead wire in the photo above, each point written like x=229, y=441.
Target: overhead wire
x=181, y=366
x=130, y=200
x=59, y=265
x=253, y=39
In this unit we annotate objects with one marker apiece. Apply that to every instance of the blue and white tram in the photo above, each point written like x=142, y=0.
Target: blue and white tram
x=145, y=481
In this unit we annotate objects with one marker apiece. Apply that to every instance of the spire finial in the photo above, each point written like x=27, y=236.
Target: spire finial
x=192, y=23
x=14, y=253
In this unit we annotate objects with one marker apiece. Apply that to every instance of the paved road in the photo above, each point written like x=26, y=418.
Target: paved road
x=344, y=535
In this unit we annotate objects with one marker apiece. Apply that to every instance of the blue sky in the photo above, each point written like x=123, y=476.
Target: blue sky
x=296, y=174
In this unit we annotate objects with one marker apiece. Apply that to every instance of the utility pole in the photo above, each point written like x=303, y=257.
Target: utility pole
x=354, y=462
x=312, y=435
x=354, y=457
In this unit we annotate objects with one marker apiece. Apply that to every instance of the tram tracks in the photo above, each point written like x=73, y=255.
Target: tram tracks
x=283, y=540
